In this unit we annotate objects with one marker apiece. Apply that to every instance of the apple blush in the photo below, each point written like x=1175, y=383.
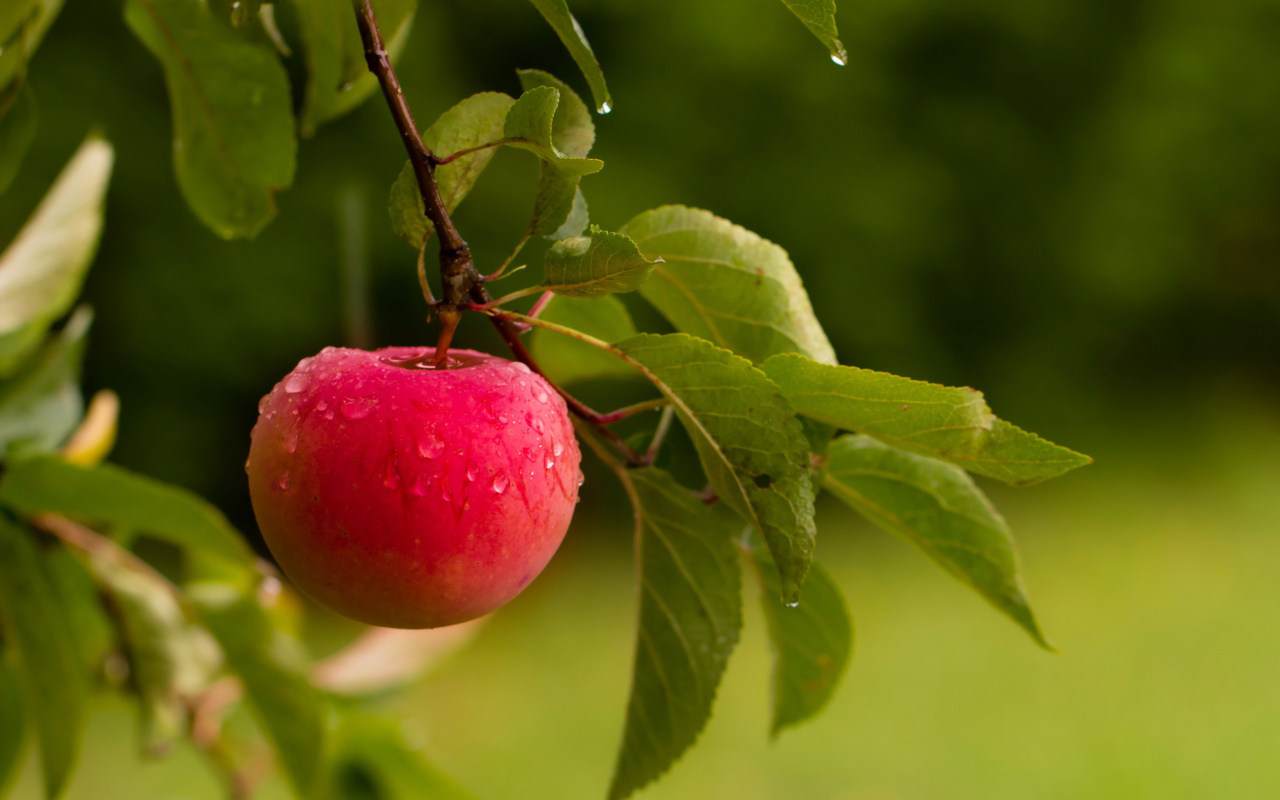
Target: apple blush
x=409, y=496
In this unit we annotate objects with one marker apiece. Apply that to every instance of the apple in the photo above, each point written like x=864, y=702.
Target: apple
x=409, y=496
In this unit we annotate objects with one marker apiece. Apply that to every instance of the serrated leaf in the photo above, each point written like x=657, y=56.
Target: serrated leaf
x=233, y=131
x=338, y=77
x=595, y=265
x=749, y=441
x=371, y=760
x=273, y=667
x=531, y=123
x=13, y=723
x=17, y=129
x=951, y=423
x=42, y=269
x=565, y=359
x=41, y=403
x=557, y=14
x=475, y=121
x=819, y=16
x=559, y=209
x=22, y=26
x=122, y=500
x=38, y=627
x=811, y=642
x=936, y=507
x=727, y=285
x=690, y=616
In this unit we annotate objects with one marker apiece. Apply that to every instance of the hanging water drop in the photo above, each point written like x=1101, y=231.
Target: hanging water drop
x=841, y=58
x=605, y=107
x=297, y=382
x=793, y=604
x=581, y=478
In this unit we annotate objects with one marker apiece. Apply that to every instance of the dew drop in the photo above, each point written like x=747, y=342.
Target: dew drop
x=540, y=395
x=262, y=404
x=840, y=59
x=605, y=107
x=793, y=604
x=328, y=414
x=500, y=483
x=556, y=448
x=420, y=484
x=429, y=444
x=323, y=405
x=523, y=367
x=522, y=383
x=358, y=408
x=291, y=443
x=444, y=489
x=537, y=424
x=471, y=471
x=581, y=478
x=550, y=462
x=297, y=382
x=529, y=454
x=283, y=483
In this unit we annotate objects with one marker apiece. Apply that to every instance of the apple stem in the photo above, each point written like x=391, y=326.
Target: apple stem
x=632, y=410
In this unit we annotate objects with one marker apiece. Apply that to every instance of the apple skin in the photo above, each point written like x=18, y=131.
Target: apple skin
x=407, y=496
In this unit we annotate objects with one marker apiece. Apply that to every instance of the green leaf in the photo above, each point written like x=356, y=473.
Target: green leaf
x=595, y=265
x=122, y=500
x=811, y=642
x=748, y=439
x=93, y=632
x=22, y=26
x=953, y=424
x=690, y=616
x=475, y=121
x=273, y=667
x=819, y=16
x=233, y=131
x=339, y=78
x=42, y=270
x=559, y=209
x=725, y=284
x=41, y=404
x=38, y=627
x=531, y=122
x=937, y=508
x=556, y=13
x=371, y=760
x=565, y=359
x=13, y=723
x=17, y=129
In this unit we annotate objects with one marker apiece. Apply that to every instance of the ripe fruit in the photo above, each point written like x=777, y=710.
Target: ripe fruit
x=411, y=497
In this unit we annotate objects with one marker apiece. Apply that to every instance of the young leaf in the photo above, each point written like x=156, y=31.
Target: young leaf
x=475, y=121
x=937, y=508
x=273, y=667
x=953, y=424
x=22, y=26
x=749, y=441
x=13, y=723
x=371, y=759
x=112, y=496
x=556, y=13
x=17, y=129
x=559, y=209
x=42, y=269
x=233, y=132
x=567, y=360
x=595, y=265
x=690, y=616
x=37, y=625
x=819, y=16
x=725, y=284
x=41, y=404
x=811, y=642
x=530, y=122
x=339, y=78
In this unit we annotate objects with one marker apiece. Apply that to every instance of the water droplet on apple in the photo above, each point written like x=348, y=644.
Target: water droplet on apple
x=538, y=426
x=472, y=471
x=556, y=448
x=550, y=462
x=297, y=382
x=540, y=395
x=444, y=488
x=429, y=444
x=291, y=443
x=500, y=483
x=328, y=414
x=420, y=484
x=529, y=454
x=283, y=483
x=358, y=408
x=262, y=404
x=323, y=405
x=581, y=478
x=523, y=367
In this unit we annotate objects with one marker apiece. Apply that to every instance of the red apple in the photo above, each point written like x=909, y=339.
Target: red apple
x=407, y=496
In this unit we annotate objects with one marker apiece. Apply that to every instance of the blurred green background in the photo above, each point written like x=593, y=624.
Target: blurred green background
x=1074, y=206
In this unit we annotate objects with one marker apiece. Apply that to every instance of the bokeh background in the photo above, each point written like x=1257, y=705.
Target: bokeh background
x=1071, y=204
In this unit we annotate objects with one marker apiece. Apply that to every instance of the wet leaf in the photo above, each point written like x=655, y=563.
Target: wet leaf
x=557, y=14
x=819, y=16
x=595, y=265
x=531, y=123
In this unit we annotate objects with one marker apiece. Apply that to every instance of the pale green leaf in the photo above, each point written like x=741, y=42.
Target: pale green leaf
x=945, y=422
x=595, y=265
x=338, y=77
x=936, y=507
x=559, y=209
x=690, y=616
x=42, y=269
x=41, y=403
x=725, y=284
x=371, y=760
x=475, y=121
x=13, y=722
x=566, y=359
x=38, y=627
x=107, y=495
x=233, y=131
x=557, y=14
x=23, y=24
x=17, y=129
x=531, y=124
x=811, y=642
x=819, y=16
x=749, y=441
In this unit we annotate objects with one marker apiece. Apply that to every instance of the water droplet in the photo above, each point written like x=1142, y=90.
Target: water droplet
x=793, y=604
x=291, y=443
x=502, y=419
x=420, y=484
x=472, y=471
x=322, y=405
x=540, y=395
x=537, y=424
x=523, y=367
x=529, y=454
x=262, y=404
x=605, y=107
x=500, y=482
x=556, y=448
x=522, y=383
x=358, y=408
x=581, y=478
x=429, y=444
x=328, y=414
x=327, y=351
x=391, y=478
x=550, y=462
x=283, y=483
x=444, y=488
x=297, y=382
x=841, y=58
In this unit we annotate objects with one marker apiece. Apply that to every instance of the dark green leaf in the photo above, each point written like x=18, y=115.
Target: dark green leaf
x=811, y=642
x=339, y=78
x=599, y=264
x=559, y=209
x=531, y=123
x=727, y=285
x=371, y=760
x=92, y=631
x=749, y=441
x=945, y=422
x=38, y=627
x=556, y=12
x=22, y=25
x=17, y=129
x=233, y=132
x=475, y=121
x=690, y=616
x=819, y=16
x=566, y=359
x=123, y=500
x=937, y=508
x=273, y=667
x=42, y=269
x=13, y=722
x=41, y=404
